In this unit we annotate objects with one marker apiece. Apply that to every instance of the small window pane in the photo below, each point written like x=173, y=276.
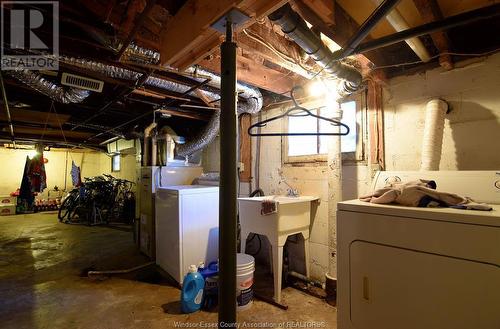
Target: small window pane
x=348, y=142
x=115, y=162
x=302, y=145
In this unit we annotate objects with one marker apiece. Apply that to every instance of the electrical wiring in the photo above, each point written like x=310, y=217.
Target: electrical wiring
x=280, y=54
x=436, y=56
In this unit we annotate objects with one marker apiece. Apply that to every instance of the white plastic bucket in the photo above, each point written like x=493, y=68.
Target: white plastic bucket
x=245, y=266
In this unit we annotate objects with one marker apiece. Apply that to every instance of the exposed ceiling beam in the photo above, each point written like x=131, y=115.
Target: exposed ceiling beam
x=51, y=132
x=263, y=41
x=399, y=23
x=28, y=116
x=137, y=24
x=188, y=37
x=256, y=74
x=339, y=29
x=430, y=12
x=325, y=9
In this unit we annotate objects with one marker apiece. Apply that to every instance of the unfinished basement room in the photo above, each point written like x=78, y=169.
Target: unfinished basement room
x=250, y=164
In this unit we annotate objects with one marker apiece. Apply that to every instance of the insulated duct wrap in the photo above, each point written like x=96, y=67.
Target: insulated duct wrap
x=141, y=55
x=435, y=112
x=296, y=28
x=202, y=139
x=252, y=105
x=48, y=88
x=252, y=95
x=252, y=102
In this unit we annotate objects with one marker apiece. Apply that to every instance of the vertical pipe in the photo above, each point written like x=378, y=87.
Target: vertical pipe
x=6, y=105
x=228, y=190
x=334, y=174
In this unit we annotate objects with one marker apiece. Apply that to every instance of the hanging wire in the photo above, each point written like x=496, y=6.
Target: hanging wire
x=436, y=56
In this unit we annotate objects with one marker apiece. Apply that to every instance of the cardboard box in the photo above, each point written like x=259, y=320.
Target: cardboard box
x=7, y=199
x=7, y=209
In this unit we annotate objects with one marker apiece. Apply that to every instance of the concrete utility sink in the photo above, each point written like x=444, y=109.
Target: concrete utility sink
x=292, y=216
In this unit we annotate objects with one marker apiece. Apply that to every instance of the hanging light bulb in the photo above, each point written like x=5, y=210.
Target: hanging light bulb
x=32, y=154
x=317, y=88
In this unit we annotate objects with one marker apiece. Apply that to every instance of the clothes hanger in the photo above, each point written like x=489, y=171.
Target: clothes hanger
x=298, y=111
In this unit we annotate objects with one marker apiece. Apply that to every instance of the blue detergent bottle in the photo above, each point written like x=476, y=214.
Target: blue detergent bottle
x=192, y=290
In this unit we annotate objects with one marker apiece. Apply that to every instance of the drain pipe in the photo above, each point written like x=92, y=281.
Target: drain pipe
x=296, y=28
x=432, y=144
x=334, y=175
x=399, y=23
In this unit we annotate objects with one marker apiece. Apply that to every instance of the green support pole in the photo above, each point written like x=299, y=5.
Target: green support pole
x=228, y=183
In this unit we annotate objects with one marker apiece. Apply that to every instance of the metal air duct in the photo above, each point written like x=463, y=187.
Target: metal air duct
x=48, y=88
x=296, y=28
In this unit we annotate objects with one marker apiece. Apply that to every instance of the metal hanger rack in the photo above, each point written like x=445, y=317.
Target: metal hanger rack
x=298, y=111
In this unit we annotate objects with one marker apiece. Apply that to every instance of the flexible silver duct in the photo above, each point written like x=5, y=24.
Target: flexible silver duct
x=202, y=139
x=251, y=94
x=48, y=88
x=252, y=104
x=141, y=55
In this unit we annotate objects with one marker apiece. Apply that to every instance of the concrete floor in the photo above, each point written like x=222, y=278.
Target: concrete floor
x=42, y=285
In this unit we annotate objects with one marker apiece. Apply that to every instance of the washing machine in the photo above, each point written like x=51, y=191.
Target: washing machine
x=414, y=268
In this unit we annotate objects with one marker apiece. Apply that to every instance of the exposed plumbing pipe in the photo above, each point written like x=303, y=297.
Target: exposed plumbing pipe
x=295, y=27
x=146, y=150
x=364, y=30
x=334, y=176
x=399, y=24
x=432, y=144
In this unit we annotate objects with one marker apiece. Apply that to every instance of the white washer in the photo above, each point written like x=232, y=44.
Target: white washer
x=401, y=267
x=187, y=227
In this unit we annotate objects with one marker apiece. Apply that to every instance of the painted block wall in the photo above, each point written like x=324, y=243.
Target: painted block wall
x=309, y=180
x=58, y=168
x=472, y=128
x=471, y=141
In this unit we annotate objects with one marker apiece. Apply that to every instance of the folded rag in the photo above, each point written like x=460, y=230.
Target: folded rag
x=268, y=206
x=421, y=193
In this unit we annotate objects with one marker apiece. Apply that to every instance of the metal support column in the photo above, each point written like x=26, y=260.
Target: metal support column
x=6, y=105
x=228, y=183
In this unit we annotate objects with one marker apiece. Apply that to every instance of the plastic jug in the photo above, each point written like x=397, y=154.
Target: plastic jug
x=192, y=291
x=210, y=293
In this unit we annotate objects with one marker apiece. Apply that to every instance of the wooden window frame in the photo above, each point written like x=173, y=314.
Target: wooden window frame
x=357, y=157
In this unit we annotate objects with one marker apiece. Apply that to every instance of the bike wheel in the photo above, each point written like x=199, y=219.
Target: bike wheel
x=66, y=208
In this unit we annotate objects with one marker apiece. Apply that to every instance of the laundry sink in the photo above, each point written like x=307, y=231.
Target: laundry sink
x=292, y=215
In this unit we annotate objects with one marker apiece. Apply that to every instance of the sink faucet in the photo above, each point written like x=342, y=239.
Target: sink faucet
x=290, y=191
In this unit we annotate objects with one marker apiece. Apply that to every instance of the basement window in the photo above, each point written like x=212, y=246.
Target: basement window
x=115, y=163
x=315, y=148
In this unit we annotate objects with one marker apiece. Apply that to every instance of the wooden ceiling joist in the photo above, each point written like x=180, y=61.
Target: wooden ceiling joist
x=50, y=132
x=430, y=12
x=188, y=37
x=260, y=40
x=256, y=74
x=36, y=117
